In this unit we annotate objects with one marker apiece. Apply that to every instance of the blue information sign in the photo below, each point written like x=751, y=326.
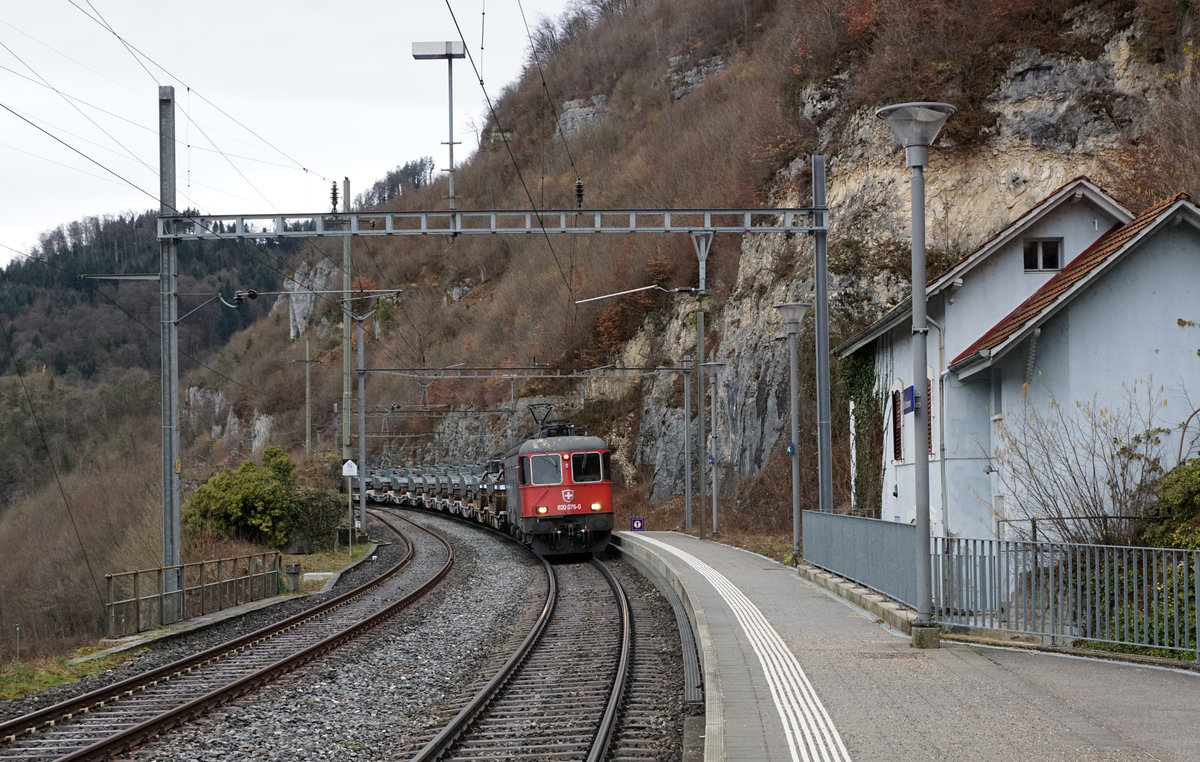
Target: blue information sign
x=909, y=405
x=636, y=524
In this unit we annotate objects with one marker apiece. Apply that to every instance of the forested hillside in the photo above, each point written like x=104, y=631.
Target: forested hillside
x=647, y=103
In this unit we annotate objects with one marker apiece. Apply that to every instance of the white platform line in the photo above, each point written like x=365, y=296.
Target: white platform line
x=810, y=732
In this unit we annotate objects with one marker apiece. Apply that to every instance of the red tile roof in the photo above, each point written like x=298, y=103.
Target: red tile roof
x=1079, y=268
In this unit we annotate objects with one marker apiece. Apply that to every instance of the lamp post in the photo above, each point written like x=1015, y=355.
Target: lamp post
x=915, y=127
x=425, y=51
x=793, y=313
x=713, y=368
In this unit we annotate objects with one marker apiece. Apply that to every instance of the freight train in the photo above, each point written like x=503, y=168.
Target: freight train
x=553, y=491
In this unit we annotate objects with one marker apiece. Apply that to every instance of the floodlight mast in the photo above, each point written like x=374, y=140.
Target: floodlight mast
x=449, y=50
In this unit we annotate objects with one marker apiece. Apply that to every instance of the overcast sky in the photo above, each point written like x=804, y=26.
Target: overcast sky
x=327, y=87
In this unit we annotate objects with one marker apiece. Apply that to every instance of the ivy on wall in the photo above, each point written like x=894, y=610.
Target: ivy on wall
x=857, y=377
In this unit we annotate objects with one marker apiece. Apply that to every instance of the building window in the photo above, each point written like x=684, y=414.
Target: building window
x=1043, y=254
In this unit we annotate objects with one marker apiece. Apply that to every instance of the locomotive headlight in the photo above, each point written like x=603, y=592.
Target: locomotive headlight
x=542, y=509
x=597, y=507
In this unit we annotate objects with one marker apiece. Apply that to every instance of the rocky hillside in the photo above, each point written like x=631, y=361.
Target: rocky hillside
x=1065, y=91
x=650, y=103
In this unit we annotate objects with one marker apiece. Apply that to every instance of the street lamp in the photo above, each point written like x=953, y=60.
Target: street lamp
x=915, y=127
x=793, y=313
x=713, y=368
x=426, y=51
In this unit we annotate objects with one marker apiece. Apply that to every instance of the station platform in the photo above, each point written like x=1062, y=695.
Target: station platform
x=791, y=671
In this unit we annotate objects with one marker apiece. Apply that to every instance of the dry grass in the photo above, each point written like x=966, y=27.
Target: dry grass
x=28, y=676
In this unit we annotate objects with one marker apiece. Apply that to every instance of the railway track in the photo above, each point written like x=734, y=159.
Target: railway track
x=559, y=694
x=125, y=714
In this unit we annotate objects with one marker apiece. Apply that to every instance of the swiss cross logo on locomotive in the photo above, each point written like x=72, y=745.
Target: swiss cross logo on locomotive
x=568, y=495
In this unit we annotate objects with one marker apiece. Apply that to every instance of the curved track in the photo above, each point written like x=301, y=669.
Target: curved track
x=125, y=714
x=558, y=695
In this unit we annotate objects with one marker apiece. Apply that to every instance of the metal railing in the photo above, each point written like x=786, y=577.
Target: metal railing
x=148, y=598
x=1062, y=592
x=879, y=555
x=1065, y=592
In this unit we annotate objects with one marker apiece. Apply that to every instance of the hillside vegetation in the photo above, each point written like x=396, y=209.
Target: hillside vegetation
x=770, y=83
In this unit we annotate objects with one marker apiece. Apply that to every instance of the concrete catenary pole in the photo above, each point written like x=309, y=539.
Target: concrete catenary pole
x=169, y=311
x=687, y=444
x=307, y=398
x=362, y=431
x=701, y=242
x=347, y=343
x=713, y=369
x=821, y=287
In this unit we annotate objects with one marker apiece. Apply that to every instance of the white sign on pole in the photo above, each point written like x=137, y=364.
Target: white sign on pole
x=349, y=468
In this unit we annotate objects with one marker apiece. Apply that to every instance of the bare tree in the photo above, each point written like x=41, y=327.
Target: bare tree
x=1085, y=472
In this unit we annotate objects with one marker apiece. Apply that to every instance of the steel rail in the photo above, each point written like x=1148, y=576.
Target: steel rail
x=458, y=728
x=52, y=716
x=67, y=709
x=609, y=721
x=449, y=734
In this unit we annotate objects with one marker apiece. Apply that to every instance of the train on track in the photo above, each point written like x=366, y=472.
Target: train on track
x=553, y=491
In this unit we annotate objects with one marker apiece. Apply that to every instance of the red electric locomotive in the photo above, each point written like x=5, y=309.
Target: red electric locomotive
x=559, y=491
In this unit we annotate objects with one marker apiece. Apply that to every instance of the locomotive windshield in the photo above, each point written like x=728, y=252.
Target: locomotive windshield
x=547, y=469
x=585, y=467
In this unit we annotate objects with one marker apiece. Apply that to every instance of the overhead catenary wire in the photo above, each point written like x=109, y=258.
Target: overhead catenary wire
x=133, y=49
x=78, y=110
x=133, y=185
x=50, y=461
x=512, y=157
x=546, y=90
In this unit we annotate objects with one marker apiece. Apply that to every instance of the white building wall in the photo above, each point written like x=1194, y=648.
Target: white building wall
x=1135, y=307
x=1124, y=329
x=997, y=285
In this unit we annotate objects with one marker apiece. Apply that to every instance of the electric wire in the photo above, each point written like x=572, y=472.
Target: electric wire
x=138, y=125
x=78, y=110
x=50, y=461
x=512, y=157
x=78, y=63
x=134, y=49
x=107, y=26
x=95, y=290
x=132, y=184
x=546, y=89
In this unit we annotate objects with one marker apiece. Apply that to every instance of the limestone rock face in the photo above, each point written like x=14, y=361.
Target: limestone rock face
x=683, y=81
x=581, y=113
x=1056, y=118
x=300, y=301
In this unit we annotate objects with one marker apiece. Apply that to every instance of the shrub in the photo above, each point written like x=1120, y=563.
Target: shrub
x=261, y=504
x=1179, y=499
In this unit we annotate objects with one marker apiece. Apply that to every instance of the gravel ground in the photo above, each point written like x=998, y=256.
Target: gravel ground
x=167, y=650
x=364, y=700
x=383, y=695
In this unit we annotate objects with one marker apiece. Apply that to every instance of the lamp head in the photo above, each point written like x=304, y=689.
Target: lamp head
x=424, y=51
x=792, y=312
x=915, y=126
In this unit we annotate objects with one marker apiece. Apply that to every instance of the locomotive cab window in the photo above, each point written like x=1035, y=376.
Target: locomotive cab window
x=523, y=471
x=606, y=463
x=585, y=467
x=546, y=469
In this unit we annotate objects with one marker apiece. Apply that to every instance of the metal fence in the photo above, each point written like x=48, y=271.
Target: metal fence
x=879, y=555
x=1065, y=592
x=148, y=598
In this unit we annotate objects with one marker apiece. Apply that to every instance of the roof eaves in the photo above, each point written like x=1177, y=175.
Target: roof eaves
x=1078, y=187
x=1058, y=301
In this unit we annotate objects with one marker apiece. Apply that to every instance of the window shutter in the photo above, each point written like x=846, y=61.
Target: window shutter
x=929, y=412
x=897, y=420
